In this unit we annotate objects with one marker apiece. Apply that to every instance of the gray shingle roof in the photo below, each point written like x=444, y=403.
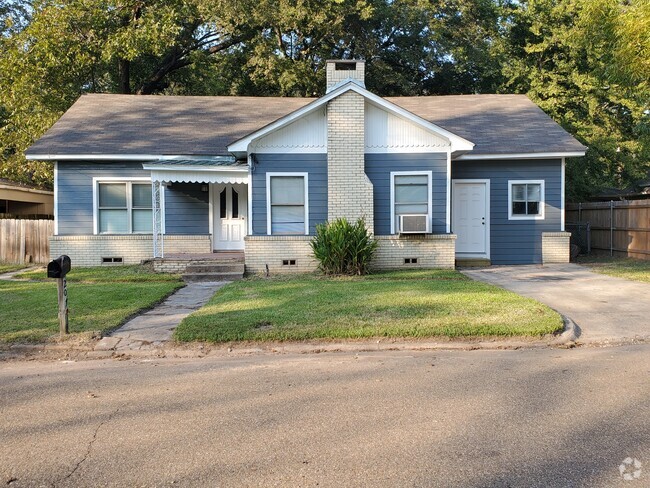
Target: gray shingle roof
x=496, y=124
x=178, y=125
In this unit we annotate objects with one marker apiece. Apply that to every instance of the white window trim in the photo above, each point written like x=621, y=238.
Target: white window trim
x=269, y=175
x=108, y=179
x=542, y=204
x=393, y=174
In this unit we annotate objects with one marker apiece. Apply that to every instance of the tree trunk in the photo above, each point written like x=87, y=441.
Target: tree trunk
x=124, y=72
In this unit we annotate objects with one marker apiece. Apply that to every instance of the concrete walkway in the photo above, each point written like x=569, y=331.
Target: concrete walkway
x=153, y=328
x=605, y=309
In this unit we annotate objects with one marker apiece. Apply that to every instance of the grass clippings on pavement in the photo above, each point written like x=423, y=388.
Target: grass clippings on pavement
x=99, y=299
x=628, y=268
x=393, y=304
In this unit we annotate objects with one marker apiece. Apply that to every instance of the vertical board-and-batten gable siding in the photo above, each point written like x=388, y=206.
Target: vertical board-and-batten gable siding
x=313, y=164
x=75, y=198
x=387, y=132
x=516, y=241
x=308, y=134
x=379, y=168
x=187, y=210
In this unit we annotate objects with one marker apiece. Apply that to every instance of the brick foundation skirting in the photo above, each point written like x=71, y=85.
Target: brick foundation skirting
x=282, y=254
x=556, y=247
x=286, y=254
x=133, y=249
x=417, y=251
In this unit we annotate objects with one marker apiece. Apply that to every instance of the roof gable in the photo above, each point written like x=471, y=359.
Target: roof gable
x=457, y=143
x=307, y=134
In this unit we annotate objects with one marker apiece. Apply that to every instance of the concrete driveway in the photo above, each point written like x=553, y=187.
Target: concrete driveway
x=605, y=309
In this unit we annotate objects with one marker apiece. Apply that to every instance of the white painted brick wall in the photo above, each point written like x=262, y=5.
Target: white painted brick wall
x=334, y=76
x=556, y=247
x=431, y=251
x=350, y=192
x=133, y=249
x=272, y=250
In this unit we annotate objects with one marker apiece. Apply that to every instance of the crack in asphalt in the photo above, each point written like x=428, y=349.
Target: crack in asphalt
x=89, y=449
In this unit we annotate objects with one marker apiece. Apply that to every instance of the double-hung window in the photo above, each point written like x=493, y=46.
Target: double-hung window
x=526, y=200
x=411, y=195
x=287, y=204
x=124, y=208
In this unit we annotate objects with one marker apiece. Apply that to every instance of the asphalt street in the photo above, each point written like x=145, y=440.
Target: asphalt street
x=526, y=418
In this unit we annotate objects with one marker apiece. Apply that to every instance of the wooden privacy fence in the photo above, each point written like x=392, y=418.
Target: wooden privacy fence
x=25, y=241
x=622, y=228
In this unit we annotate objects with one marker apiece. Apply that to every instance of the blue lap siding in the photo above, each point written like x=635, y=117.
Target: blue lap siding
x=187, y=210
x=186, y=207
x=379, y=167
x=75, y=192
x=516, y=241
x=313, y=164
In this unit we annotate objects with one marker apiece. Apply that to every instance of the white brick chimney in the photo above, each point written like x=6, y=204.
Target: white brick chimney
x=350, y=192
x=340, y=70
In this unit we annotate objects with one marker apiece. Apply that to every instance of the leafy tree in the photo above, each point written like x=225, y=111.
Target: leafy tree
x=558, y=55
x=585, y=62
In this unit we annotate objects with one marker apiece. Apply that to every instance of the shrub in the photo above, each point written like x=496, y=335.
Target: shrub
x=343, y=248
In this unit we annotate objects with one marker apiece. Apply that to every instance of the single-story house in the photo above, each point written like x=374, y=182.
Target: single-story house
x=436, y=178
x=21, y=200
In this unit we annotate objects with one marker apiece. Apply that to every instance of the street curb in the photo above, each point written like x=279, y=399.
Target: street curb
x=570, y=333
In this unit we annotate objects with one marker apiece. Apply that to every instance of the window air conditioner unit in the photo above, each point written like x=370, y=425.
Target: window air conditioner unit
x=414, y=224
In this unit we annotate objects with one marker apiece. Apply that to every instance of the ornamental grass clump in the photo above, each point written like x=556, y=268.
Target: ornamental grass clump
x=343, y=248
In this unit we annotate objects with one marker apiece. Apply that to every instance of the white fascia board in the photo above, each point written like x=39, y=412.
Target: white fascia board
x=93, y=157
x=118, y=157
x=209, y=169
x=457, y=142
x=548, y=155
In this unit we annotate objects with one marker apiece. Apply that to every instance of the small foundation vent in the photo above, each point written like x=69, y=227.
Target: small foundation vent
x=112, y=260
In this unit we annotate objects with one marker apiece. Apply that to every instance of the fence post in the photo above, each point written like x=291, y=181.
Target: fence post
x=580, y=212
x=23, y=242
x=611, y=227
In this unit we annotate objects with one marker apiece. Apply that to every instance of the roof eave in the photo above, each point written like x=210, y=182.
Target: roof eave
x=114, y=157
x=533, y=155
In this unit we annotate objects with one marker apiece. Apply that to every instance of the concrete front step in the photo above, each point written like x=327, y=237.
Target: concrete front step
x=206, y=267
x=202, y=277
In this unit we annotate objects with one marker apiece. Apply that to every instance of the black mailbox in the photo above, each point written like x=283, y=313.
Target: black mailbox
x=59, y=267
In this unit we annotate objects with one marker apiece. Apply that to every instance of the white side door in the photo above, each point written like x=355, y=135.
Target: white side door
x=470, y=217
x=230, y=211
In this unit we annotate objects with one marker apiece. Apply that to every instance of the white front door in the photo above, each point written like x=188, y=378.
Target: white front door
x=230, y=204
x=471, y=217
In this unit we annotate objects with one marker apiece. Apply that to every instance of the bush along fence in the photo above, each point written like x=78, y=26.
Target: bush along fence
x=25, y=241
x=622, y=228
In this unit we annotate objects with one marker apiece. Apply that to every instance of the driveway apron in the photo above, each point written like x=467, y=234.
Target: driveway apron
x=606, y=309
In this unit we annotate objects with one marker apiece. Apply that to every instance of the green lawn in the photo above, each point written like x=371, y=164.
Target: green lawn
x=396, y=304
x=99, y=299
x=632, y=269
x=6, y=268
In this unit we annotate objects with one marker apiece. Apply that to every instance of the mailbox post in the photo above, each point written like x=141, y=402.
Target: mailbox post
x=59, y=269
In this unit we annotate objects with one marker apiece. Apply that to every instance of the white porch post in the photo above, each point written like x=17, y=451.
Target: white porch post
x=158, y=241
